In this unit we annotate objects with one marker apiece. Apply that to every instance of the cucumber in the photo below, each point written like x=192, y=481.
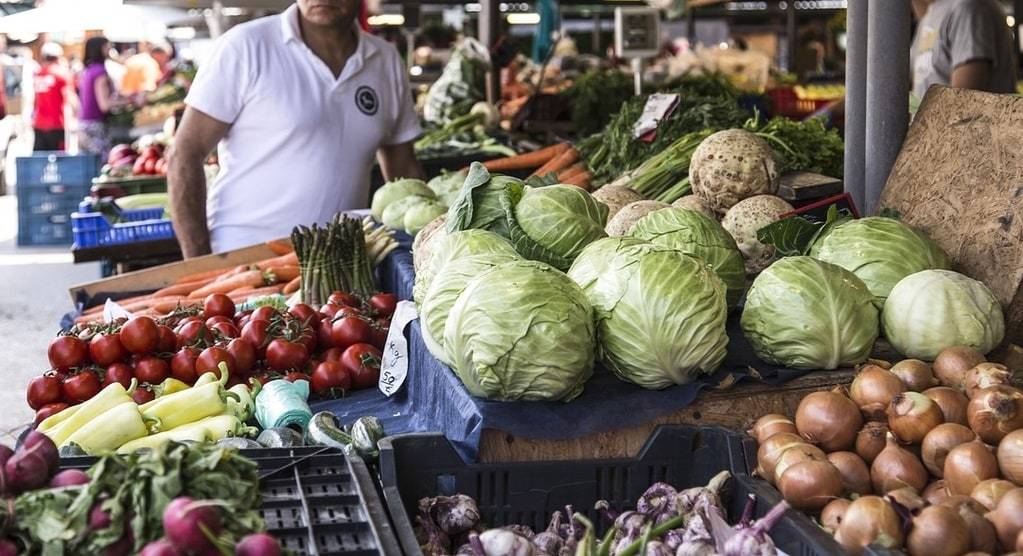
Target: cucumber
x=325, y=430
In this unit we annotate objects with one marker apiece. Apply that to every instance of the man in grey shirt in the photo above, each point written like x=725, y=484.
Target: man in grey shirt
x=962, y=43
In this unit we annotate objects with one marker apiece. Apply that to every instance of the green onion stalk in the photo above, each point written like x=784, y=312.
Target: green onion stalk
x=664, y=176
x=447, y=131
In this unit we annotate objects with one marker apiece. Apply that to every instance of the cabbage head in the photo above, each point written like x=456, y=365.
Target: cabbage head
x=931, y=310
x=480, y=202
x=395, y=190
x=695, y=234
x=444, y=290
x=454, y=246
x=809, y=314
x=421, y=214
x=446, y=186
x=660, y=313
x=553, y=224
x=394, y=215
x=522, y=331
x=878, y=250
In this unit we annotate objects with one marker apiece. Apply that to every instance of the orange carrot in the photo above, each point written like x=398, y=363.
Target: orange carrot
x=571, y=171
x=252, y=278
x=169, y=303
x=233, y=272
x=280, y=246
x=150, y=302
x=269, y=290
x=283, y=273
x=292, y=286
x=202, y=275
x=289, y=259
x=558, y=163
x=243, y=289
x=528, y=160
x=182, y=289
x=581, y=179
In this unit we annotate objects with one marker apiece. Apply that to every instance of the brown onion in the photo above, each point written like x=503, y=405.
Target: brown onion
x=907, y=497
x=771, y=449
x=982, y=532
x=968, y=464
x=831, y=515
x=873, y=389
x=810, y=485
x=995, y=412
x=951, y=365
x=798, y=454
x=855, y=474
x=988, y=492
x=869, y=520
x=939, y=441
x=870, y=440
x=1010, y=456
x=936, y=492
x=938, y=531
x=829, y=420
x=912, y=415
x=879, y=362
x=770, y=425
x=951, y=401
x=984, y=376
x=895, y=467
x=1008, y=517
x=915, y=374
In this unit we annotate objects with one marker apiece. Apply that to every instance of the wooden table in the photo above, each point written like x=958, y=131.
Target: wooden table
x=132, y=256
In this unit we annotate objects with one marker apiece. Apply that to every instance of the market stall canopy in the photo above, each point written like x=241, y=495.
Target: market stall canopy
x=118, y=21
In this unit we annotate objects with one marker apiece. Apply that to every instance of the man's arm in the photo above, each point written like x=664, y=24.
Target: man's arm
x=196, y=137
x=399, y=161
x=975, y=74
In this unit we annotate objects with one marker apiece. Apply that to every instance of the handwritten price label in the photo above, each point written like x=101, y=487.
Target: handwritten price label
x=394, y=367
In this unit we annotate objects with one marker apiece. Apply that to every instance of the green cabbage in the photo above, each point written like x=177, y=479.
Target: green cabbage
x=421, y=214
x=480, y=202
x=931, y=310
x=446, y=186
x=453, y=246
x=395, y=190
x=878, y=250
x=444, y=290
x=660, y=313
x=809, y=314
x=552, y=224
x=394, y=214
x=697, y=235
x=522, y=331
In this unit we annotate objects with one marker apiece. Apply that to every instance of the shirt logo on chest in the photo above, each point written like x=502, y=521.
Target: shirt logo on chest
x=366, y=100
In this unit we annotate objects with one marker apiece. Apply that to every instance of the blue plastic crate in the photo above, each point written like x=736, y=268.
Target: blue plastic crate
x=44, y=229
x=45, y=168
x=91, y=229
x=50, y=199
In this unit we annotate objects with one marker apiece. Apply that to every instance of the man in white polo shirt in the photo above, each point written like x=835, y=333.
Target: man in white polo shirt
x=300, y=104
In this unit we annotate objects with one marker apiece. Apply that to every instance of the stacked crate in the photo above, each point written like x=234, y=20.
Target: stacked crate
x=50, y=185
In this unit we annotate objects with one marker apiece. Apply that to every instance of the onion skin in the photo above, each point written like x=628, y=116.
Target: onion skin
x=854, y=471
x=869, y=519
x=952, y=403
x=907, y=497
x=984, y=376
x=938, y=531
x=895, y=467
x=871, y=440
x=911, y=415
x=995, y=412
x=968, y=464
x=982, y=533
x=770, y=450
x=1008, y=517
x=770, y=425
x=1010, y=456
x=798, y=454
x=939, y=441
x=952, y=364
x=873, y=389
x=810, y=485
x=936, y=492
x=987, y=493
x=915, y=374
x=829, y=420
x=831, y=515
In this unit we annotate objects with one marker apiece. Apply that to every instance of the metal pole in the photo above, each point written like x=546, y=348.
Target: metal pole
x=1017, y=14
x=489, y=23
x=887, y=108
x=790, y=32
x=855, y=99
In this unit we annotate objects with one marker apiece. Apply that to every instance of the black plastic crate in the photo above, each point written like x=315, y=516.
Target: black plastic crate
x=44, y=168
x=315, y=501
x=413, y=466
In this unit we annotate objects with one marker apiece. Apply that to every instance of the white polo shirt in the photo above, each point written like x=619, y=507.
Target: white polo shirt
x=302, y=142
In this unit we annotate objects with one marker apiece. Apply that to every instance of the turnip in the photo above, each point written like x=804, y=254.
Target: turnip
x=8, y=548
x=258, y=544
x=616, y=197
x=161, y=547
x=744, y=220
x=695, y=202
x=26, y=470
x=36, y=440
x=629, y=214
x=184, y=521
x=69, y=477
x=730, y=166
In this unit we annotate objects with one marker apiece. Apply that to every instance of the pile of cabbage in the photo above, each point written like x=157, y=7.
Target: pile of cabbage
x=410, y=204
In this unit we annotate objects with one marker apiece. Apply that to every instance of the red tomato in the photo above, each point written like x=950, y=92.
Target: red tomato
x=140, y=335
x=182, y=365
x=362, y=361
x=330, y=378
x=242, y=318
x=168, y=341
x=210, y=359
x=66, y=352
x=255, y=333
x=226, y=329
x=384, y=303
x=323, y=338
x=264, y=313
x=244, y=355
x=215, y=319
x=306, y=315
x=308, y=339
x=342, y=298
x=349, y=330
x=292, y=376
x=44, y=390
x=106, y=349
x=48, y=410
x=282, y=355
x=218, y=304
x=143, y=393
x=151, y=369
x=120, y=373
x=378, y=332
x=80, y=387
x=329, y=310
x=191, y=333
x=262, y=377
x=332, y=354
x=186, y=320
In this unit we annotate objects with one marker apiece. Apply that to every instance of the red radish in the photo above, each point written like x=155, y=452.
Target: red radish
x=26, y=470
x=42, y=444
x=122, y=546
x=8, y=548
x=98, y=517
x=161, y=547
x=184, y=520
x=69, y=477
x=258, y=544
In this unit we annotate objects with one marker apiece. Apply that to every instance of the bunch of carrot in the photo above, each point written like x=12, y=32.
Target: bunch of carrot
x=561, y=160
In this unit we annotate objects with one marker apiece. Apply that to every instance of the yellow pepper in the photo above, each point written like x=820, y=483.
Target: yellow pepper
x=190, y=405
x=114, y=427
x=170, y=386
x=61, y=429
x=206, y=378
x=245, y=406
x=179, y=434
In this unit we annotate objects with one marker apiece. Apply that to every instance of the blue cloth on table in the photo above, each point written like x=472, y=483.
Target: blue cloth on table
x=434, y=399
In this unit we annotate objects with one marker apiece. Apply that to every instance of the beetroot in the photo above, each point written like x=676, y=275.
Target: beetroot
x=258, y=544
x=38, y=441
x=26, y=470
x=69, y=477
x=161, y=547
x=184, y=520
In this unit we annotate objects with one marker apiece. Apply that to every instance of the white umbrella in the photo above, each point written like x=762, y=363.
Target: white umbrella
x=119, y=22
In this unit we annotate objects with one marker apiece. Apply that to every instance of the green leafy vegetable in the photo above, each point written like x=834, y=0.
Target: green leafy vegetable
x=802, y=145
x=595, y=97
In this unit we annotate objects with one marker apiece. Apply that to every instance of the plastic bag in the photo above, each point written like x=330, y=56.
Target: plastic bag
x=462, y=83
x=282, y=404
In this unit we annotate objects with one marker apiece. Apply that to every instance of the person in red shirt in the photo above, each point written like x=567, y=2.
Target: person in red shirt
x=52, y=87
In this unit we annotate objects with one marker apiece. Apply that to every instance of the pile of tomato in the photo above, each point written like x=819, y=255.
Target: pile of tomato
x=336, y=348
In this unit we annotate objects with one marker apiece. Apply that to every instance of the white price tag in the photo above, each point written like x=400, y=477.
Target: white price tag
x=112, y=311
x=658, y=107
x=394, y=367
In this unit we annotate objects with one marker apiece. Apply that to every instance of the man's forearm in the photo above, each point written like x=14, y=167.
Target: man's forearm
x=186, y=183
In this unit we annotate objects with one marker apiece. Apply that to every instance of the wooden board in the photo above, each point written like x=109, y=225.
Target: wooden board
x=959, y=178
x=800, y=186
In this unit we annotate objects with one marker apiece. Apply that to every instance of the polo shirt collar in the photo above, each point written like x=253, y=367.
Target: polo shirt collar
x=291, y=32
